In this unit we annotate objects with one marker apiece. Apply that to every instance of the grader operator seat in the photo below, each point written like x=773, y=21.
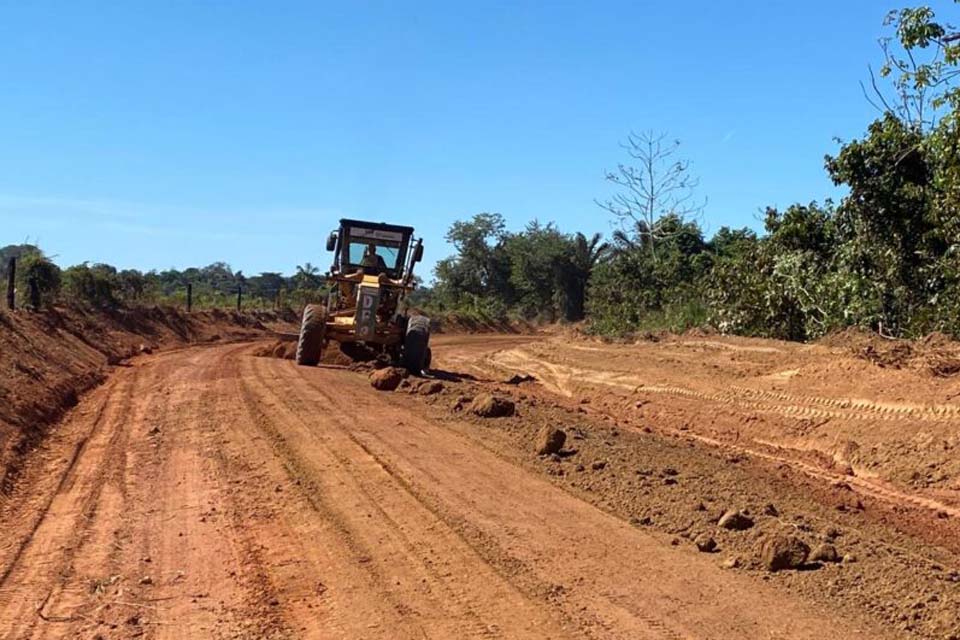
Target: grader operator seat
x=373, y=263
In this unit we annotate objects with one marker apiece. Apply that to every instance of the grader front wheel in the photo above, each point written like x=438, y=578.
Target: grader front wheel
x=416, y=345
x=312, y=332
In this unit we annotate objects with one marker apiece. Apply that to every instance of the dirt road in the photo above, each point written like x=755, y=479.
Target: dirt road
x=205, y=492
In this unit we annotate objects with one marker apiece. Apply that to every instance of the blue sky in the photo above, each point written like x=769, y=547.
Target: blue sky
x=161, y=134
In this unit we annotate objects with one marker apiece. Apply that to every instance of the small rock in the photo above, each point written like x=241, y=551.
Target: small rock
x=146, y=349
x=705, y=543
x=488, y=406
x=387, y=379
x=731, y=563
x=550, y=441
x=824, y=553
x=735, y=521
x=430, y=388
x=146, y=580
x=771, y=510
x=783, y=551
x=599, y=465
x=849, y=558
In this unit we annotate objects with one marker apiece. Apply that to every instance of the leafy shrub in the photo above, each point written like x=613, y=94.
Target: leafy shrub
x=94, y=285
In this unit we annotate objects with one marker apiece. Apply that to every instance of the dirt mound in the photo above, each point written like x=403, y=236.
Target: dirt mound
x=48, y=359
x=936, y=354
x=286, y=349
x=456, y=323
x=283, y=349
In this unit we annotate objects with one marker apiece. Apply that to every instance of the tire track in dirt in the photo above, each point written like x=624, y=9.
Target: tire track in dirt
x=64, y=529
x=611, y=579
x=560, y=377
x=261, y=603
x=12, y=562
x=614, y=620
x=512, y=567
x=469, y=595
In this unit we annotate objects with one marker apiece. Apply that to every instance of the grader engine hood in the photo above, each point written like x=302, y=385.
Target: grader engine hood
x=368, y=301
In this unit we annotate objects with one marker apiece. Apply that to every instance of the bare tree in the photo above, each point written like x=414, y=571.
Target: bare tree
x=659, y=185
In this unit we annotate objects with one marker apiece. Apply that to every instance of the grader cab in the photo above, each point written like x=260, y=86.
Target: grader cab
x=372, y=274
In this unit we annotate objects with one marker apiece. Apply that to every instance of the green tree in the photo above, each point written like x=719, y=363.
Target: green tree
x=37, y=276
x=634, y=288
x=922, y=63
x=477, y=278
x=885, y=226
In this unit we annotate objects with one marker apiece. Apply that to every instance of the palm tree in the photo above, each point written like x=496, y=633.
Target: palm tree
x=307, y=276
x=585, y=254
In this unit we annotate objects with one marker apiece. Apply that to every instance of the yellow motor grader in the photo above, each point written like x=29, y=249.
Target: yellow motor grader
x=372, y=274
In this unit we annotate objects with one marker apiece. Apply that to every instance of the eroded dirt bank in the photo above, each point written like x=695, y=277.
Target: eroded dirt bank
x=48, y=359
x=211, y=493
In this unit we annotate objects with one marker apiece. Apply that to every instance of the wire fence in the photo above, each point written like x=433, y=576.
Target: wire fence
x=190, y=296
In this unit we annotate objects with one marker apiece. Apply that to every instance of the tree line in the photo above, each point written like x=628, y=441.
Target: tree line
x=40, y=282
x=887, y=257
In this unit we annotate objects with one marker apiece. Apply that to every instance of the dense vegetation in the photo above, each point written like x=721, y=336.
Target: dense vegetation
x=886, y=257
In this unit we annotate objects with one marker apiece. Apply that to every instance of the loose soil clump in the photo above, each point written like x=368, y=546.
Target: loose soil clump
x=486, y=405
x=387, y=379
x=550, y=440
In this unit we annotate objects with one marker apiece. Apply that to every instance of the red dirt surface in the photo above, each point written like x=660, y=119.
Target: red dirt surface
x=48, y=359
x=209, y=493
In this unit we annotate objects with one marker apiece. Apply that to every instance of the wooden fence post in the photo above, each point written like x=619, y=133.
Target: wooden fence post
x=34, y=293
x=189, y=297
x=12, y=285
